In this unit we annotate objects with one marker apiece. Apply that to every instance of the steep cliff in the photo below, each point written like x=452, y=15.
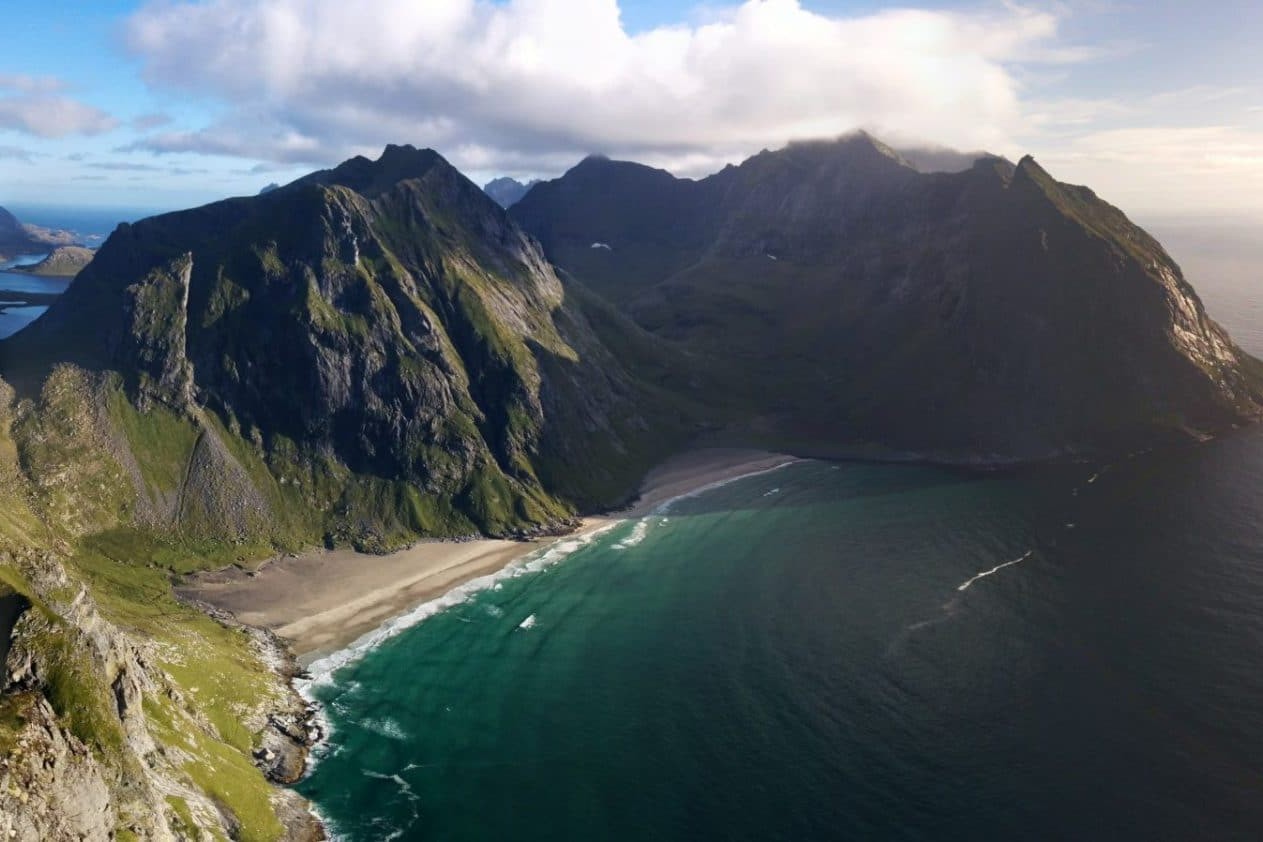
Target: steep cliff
x=123, y=714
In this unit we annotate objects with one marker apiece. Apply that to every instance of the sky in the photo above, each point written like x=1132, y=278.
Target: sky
x=1157, y=105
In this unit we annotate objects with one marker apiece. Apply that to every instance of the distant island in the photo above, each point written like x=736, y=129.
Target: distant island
x=17, y=238
x=62, y=262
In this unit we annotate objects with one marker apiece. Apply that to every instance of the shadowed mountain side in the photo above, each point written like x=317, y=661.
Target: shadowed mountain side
x=855, y=304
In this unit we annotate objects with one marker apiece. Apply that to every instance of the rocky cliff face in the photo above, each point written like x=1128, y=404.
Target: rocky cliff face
x=123, y=714
x=97, y=737
x=992, y=314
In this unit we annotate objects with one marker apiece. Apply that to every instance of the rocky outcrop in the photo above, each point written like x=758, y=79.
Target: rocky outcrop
x=51, y=786
x=82, y=755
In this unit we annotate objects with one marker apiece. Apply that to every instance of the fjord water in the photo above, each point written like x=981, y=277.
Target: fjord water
x=14, y=318
x=813, y=654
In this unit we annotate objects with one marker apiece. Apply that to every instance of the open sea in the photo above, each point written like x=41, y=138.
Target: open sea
x=842, y=652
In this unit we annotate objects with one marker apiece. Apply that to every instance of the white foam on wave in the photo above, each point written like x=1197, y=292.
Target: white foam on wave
x=947, y=611
x=638, y=533
x=773, y=491
x=994, y=570
x=385, y=727
x=665, y=507
x=320, y=672
x=332, y=832
x=414, y=801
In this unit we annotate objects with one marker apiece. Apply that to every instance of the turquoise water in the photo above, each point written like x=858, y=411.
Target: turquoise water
x=841, y=652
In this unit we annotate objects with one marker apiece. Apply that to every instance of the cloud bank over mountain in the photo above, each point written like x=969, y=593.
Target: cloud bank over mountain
x=532, y=84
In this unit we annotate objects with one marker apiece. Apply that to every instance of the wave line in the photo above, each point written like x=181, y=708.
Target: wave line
x=995, y=569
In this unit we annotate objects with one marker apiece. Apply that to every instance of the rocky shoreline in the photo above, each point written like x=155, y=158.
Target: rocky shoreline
x=291, y=732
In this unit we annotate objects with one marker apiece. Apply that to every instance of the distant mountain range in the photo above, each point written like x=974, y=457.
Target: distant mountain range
x=18, y=238
x=508, y=191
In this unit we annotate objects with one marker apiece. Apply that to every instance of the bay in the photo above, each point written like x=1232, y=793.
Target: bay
x=841, y=652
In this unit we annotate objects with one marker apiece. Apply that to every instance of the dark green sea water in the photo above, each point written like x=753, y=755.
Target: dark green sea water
x=791, y=656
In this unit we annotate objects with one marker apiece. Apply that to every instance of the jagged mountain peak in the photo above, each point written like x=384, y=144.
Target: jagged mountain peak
x=372, y=177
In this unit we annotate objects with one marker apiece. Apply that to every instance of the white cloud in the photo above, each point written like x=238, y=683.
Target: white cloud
x=34, y=105
x=527, y=84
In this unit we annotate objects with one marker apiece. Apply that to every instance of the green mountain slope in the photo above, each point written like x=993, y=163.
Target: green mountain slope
x=849, y=301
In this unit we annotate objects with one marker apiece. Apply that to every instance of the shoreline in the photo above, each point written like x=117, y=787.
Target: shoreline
x=326, y=604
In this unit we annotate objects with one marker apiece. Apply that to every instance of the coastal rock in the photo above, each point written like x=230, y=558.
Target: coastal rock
x=89, y=765
x=51, y=787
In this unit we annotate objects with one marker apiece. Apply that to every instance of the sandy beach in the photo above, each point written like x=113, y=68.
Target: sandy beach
x=322, y=601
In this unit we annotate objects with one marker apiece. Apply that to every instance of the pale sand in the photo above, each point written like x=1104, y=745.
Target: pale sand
x=323, y=601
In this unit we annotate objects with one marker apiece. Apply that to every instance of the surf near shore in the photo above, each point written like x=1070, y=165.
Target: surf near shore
x=321, y=602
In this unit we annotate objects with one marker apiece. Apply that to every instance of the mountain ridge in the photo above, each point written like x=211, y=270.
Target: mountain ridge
x=907, y=293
